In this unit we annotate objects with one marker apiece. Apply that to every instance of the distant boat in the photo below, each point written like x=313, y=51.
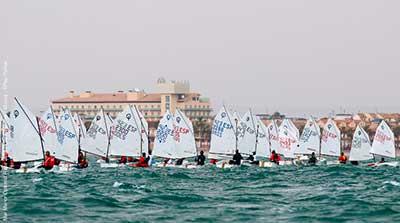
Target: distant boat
x=383, y=144
x=360, y=146
x=175, y=137
x=263, y=146
x=330, y=140
x=223, y=136
x=127, y=138
x=247, y=141
x=98, y=136
x=273, y=132
x=287, y=139
x=310, y=139
x=67, y=139
x=24, y=142
x=48, y=130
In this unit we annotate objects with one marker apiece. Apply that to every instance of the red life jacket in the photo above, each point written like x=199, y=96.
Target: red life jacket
x=49, y=162
x=142, y=162
x=343, y=159
x=275, y=158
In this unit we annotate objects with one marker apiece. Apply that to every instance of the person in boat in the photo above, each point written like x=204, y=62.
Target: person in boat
x=179, y=162
x=313, y=159
x=123, y=160
x=237, y=158
x=82, y=162
x=275, y=158
x=201, y=159
x=49, y=161
x=382, y=160
x=213, y=161
x=252, y=159
x=142, y=161
x=342, y=158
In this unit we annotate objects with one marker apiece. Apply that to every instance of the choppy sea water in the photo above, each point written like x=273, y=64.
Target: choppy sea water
x=246, y=194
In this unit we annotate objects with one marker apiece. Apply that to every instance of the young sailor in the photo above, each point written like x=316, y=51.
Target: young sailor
x=142, y=161
x=201, y=159
x=312, y=160
x=49, y=161
x=237, y=158
x=179, y=162
x=275, y=158
x=342, y=158
x=82, y=162
x=123, y=160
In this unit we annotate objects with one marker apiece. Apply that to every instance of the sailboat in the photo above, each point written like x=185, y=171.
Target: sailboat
x=263, y=146
x=224, y=140
x=67, y=141
x=330, y=141
x=48, y=130
x=383, y=144
x=273, y=133
x=247, y=140
x=174, y=139
x=97, y=139
x=360, y=146
x=310, y=140
x=288, y=139
x=126, y=135
x=24, y=141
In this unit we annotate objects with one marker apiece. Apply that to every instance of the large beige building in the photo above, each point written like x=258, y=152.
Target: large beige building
x=169, y=96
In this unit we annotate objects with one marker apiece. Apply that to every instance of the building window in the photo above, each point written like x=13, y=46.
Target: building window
x=167, y=99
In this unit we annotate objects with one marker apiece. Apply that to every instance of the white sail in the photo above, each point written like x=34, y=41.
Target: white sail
x=330, y=140
x=223, y=139
x=68, y=147
x=263, y=144
x=247, y=141
x=48, y=130
x=164, y=144
x=273, y=133
x=360, y=146
x=125, y=135
x=185, y=144
x=309, y=141
x=143, y=128
x=97, y=136
x=287, y=140
x=24, y=143
x=383, y=144
x=288, y=124
x=79, y=126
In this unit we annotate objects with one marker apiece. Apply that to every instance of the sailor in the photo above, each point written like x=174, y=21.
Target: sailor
x=142, y=161
x=82, y=162
x=201, y=159
x=382, y=160
x=312, y=160
x=123, y=160
x=342, y=158
x=237, y=158
x=179, y=162
x=49, y=161
x=275, y=158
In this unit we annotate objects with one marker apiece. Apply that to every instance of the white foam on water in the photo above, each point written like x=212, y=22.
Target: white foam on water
x=392, y=182
x=34, y=180
x=117, y=184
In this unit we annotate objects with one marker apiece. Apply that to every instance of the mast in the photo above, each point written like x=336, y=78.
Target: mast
x=142, y=129
x=40, y=136
x=108, y=135
x=234, y=130
x=255, y=149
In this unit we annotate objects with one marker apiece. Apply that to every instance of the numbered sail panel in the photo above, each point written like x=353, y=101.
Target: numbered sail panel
x=330, y=139
x=96, y=141
x=48, y=131
x=360, y=146
x=309, y=141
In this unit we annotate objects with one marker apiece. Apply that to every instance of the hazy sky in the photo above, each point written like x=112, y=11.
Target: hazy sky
x=299, y=57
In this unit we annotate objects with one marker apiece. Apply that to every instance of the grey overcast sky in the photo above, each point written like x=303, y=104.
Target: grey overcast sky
x=298, y=57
